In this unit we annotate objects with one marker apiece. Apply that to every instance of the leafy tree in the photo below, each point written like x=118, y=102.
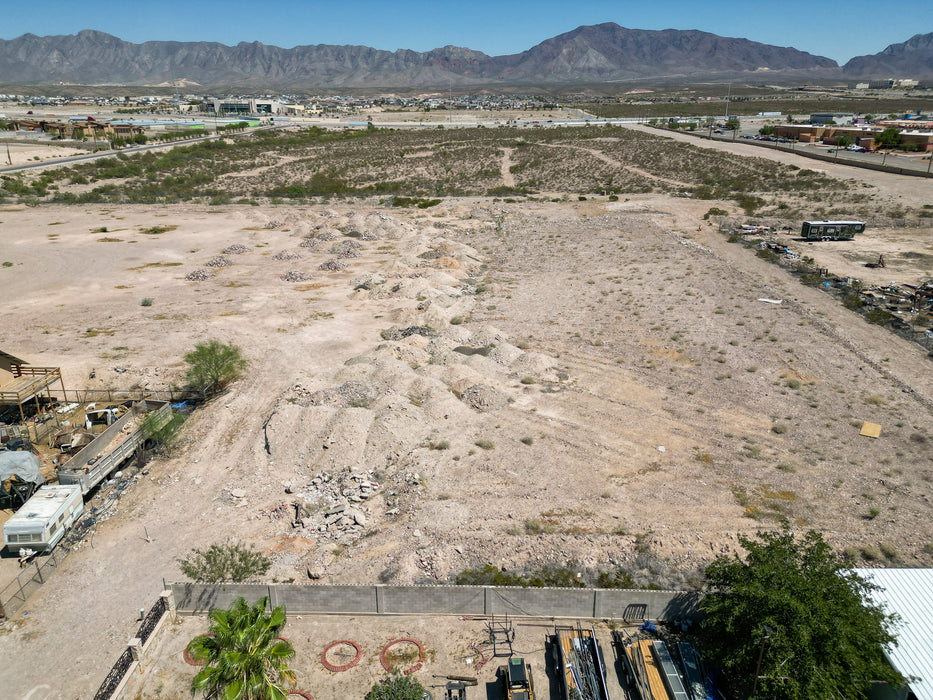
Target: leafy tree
x=889, y=138
x=843, y=140
x=766, y=130
x=798, y=608
x=161, y=435
x=396, y=687
x=245, y=657
x=733, y=123
x=214, y=364
x=227, y=562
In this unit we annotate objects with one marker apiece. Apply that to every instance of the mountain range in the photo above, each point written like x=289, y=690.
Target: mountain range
x=588, y=54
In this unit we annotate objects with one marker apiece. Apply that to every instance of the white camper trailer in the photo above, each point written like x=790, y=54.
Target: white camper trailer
x=42, y=521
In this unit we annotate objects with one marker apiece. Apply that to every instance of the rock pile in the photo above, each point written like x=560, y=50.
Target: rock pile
x=296, y=276
x=218, y=261
x=333, y=265
x=346, y=249
x=199, y=276
x=286, y=255
x=235, y=249
x=482, y=397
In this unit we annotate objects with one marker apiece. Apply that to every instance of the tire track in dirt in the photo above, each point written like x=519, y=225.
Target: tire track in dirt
x=507, y=178
x=616, y=164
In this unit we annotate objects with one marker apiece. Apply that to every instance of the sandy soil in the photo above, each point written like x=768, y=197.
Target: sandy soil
x=22, y=153
x=447, y=643
x=634, y=403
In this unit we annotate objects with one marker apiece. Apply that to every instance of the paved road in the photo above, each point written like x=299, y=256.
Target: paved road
x=841, y=156
x=128, y=150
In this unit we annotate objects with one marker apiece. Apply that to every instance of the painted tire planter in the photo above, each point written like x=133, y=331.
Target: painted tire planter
x=401, y=640
x=347, y=666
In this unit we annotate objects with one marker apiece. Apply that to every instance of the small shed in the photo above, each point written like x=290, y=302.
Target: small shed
x=909, y=593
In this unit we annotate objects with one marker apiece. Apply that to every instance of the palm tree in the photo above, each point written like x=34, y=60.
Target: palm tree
x=244, y=656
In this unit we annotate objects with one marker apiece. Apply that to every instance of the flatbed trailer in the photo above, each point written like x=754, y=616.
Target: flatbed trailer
x=580, y=664
x=114, y=446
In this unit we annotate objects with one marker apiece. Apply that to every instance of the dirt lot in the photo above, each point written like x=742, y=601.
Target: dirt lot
x=447, y=651
x=594, y=384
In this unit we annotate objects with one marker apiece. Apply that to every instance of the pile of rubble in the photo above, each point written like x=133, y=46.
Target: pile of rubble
x=218, y=261
x=286, y=255
x=235, y=249
x=309, y=243
x=482, y=397
x=331, y=506
x=296, y=276
x=332, y=265
x=199, y=276
x=346, y=249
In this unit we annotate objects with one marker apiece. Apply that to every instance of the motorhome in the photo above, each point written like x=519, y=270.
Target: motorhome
x=43, y=520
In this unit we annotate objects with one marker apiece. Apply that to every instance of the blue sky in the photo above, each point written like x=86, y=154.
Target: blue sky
x=833, y=28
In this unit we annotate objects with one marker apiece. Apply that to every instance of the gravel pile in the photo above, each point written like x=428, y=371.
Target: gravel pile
x=296, y=276
x=273, y=224
x=309, y=243
x=399, y=333
x=369, y=236
x=483, y=397
x=346, y=249
x=328, y=236
x=286, y=255
x=218, y=261
x=358, y=394
x=332, y=265
x=235, y=249
x=441, y=251
x=199, y=276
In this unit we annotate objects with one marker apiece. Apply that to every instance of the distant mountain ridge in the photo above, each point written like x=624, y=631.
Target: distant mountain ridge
x=597, y=53
x=911, y=59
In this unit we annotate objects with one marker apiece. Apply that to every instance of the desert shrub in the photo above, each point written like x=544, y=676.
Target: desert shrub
x=226, y=562
x=214, y=364
x=396, y=687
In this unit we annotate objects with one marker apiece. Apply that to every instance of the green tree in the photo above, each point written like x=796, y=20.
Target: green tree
x=224, y=562
x=733, y=123
x=889, y=138
x=798, y=608
x=245, y=657
x=214, y=364
x=396, y=687
x=843, y=140
x=766, y=130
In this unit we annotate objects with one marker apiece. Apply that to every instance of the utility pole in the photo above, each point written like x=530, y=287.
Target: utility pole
x=450, y=101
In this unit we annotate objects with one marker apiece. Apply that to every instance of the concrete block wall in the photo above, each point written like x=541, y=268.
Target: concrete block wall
x=197, y=598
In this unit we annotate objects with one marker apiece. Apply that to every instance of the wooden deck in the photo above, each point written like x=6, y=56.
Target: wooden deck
x=31, y=381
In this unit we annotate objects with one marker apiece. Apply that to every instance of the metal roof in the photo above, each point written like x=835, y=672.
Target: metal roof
x=909, y=593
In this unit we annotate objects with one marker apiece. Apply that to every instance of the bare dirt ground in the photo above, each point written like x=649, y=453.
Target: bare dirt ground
x=22, y=153
x=593, y=384
x=447, y=646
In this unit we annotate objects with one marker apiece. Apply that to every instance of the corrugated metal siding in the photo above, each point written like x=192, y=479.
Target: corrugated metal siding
x=909, y=593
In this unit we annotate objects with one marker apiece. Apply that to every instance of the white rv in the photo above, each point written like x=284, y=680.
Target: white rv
x=42, y=521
